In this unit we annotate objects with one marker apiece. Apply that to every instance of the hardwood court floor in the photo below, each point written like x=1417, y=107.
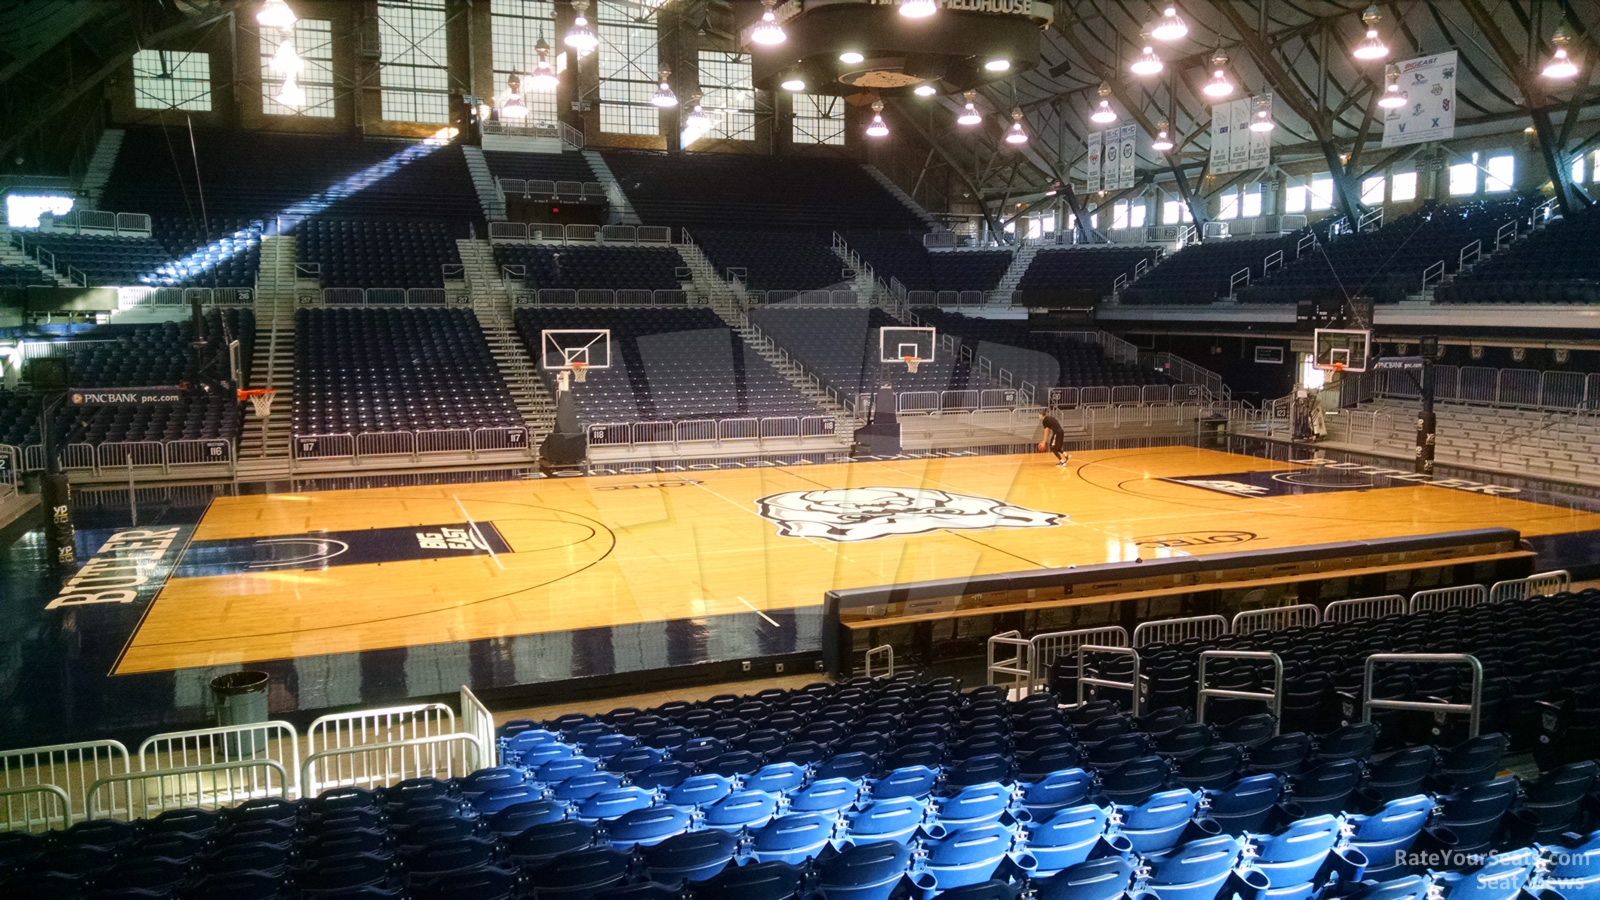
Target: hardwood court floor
x=602, y=551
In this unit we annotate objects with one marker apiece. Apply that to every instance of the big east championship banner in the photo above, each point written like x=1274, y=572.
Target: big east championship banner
x=1429, y=84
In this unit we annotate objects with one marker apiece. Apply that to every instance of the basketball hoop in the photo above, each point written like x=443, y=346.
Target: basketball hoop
x=260, y=399
x=579, y=371
x=1338, y=367
x=911, y=363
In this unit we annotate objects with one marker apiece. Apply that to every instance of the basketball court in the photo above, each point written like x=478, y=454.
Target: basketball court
x=280, y=576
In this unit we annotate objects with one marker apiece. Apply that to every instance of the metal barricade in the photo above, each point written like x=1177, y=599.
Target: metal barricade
x=133, y=224
x=971, y=298
x=508, y=231
x=422, y=296
x=77, y=456
x=476, y=720
x=1062, y=397
x=1472, y=709
x=583, y=234
x=1274, y=700
x=920, y=299
x=1036, y=655
x=652, y=433
x=1085, y=681
x=1095, y=395
x=918, y=402
x=145, y=795
x=592, y=188
x=547, y=232
x=960, y=401
x=1155, y=393
x=343, y=296
x=669, y=297
x=633, y=297
x=540, y=187
x=843, y=298
x=886, y=653
x=1365, y=608
x=1300, y=615
x=780, y=427
x=653, y=234
x=1478, y=384
x=1448, y=598
x=229, y=745
x=193, y=295
x=444, y=440
x=1125, y=394
x=1541, y=584
x=997, y=398
x=558, y=297
x=70, y=768
x=1518, y=387
x=386, y=296
x=1562, y=390
x=500, y=438
x=386, y=443
x=569, y=189
x=1171, y=631
x=373, y=766
x=609, y=434
x=618, y=234
x=818, y=426
x=379, y=726
x=696, y=431
x=816, y=297
x=38, y=808
x=738, y=430
x=324, y=446
x=10, y=469
x=1014, y=666
x=596, y=297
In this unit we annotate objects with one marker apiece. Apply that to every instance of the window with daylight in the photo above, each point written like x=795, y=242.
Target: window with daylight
x=413, y=73
x=628, y=70
x=313, y=41
x=1594, y=167
x=1119, y=214
x=1229, y=206
x=1252, y=201
x=1577, y=169
x=1174, y=211
x=1047, y=223
x=1404, y=187
x=515, y=27
x=1464, y=178
x=1294, y=199
x=818, y=119
x=168, y=79
x=1372, y=190
x=1501, y=171
x=1136, y=214
x=728, y=95
x=1322, y=192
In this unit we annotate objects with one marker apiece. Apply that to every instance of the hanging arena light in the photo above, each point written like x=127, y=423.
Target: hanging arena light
x=664, y=98
x=794, y=83
x=1103, y=113
x=768, y=33
x=513, y=107
x=918, y=9
x=1016, y=135
x=1147, y=63
x=275, y=14
x=697, y=120
x=543, y=77
x=1219, y=86
x=291, y=94
x=1261, y=117
x=851, y=57
x=1560, y=67
x=1162, y=143
x=969, y=114
x=1371, y=46
x=579, y=37
x=877, y=128
x=1393, y=97
x=285, y=61
x=1170, y=26
x=925, y=90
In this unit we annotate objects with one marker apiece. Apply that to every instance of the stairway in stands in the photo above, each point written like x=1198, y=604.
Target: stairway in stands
x=902, y=196
x=491, y=303
x=865, y=284
x=264, y=444
x=720, y=296
x=489, y=197
x=1020, y=261
x=621, y=210
x=99, y=169
x=11, y=256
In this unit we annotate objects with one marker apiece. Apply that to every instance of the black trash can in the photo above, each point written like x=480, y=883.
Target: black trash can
x=241, y=699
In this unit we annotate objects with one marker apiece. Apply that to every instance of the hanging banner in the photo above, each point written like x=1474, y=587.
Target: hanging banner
x=1260, y=155
x=1429, y=84
x=1239, y=130
x=1127, y=139
x=1234, y=147
x=1093, y=183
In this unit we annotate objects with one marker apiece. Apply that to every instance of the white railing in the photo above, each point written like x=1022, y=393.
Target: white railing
x=145, y=795
x=1433, y=275
x=40, y=807
x=97, y=221
x=1299, y=615
x=337, y=297
x=601, y=297
x=226, y=745
x=1372, y=218
x=414, y=445
x=1448, y=598
x=522, y=129
x=10, y=469
x=112, y=457
x=718, y=432
x=1365, y=608
x=1534, y=585
x=1166, y=631
x=154, y=298
x=844, y=298
x=71, y=768
x=380, y=765
x=1513, y=388
x=379, y=726
x=1028, y=667
x=478, y=721
x=1469, y=254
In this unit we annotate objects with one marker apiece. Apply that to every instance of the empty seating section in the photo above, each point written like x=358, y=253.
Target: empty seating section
x=612, y=268
x=539, y=166
x=228, y=254
x=773, y=260
x=1388, y=264
x=112, y=356
x=104, y=259
x=257, y=175
x=840, y=347
x=1085, y=274
x=1039, y=358
x=367, y=254
x=712, y=190
x=1201, y=273
x=668, y=364
x=375, y=370
x=901, y=255
x=22, y=276
x=1554, y=265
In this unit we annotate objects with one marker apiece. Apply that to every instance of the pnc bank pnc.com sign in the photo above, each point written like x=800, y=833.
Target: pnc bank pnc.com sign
x=127, y=396
x=131, y=565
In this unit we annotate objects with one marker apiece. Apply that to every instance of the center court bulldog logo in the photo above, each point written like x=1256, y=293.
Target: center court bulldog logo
x=869, y=513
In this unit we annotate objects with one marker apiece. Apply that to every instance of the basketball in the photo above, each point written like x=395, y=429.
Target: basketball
x=1042, y=445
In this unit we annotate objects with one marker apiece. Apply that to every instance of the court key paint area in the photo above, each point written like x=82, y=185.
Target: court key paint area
x=291, y=575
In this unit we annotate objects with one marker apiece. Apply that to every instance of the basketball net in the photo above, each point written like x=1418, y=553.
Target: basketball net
x=260, y=401
x=911, y=363
x=579, y=371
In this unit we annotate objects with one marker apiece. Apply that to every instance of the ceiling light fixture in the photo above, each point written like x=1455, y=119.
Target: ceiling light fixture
x=918, y=9
x=1162, y=143
x=1170, y=26
x=579, y=37
x=1147, y=63
x=275, y=14
x=664, y=97
x=793, y=82
x=512, y=107
x=1393, y=97
x=997, y=65
x=1103, y=113
x=286, y=61
x=1016, y=135
x=697, y=120
x=1261, y=118
x=543, y=77
x=1371, y=46
x=1560, y=67
x=1219, y=86
x=768, y=32
x=925, y=90
x=969, y=114
x=291, y=94
x=877, y=128
x=851, y=57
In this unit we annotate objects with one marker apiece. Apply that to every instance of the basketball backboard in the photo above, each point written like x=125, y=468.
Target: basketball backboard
x=1341, y=349
x=895, y=343
x=561, y=347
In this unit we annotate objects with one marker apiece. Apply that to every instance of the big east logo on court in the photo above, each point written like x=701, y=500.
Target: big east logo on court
x=869, y=513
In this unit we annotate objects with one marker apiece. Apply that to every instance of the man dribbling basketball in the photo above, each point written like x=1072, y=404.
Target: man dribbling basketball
x=1055, y=440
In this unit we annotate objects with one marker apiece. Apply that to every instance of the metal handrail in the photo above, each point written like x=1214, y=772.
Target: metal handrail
x=887, y=652
x=1131, y=685
x=1472, y=709
x=1274, y=700
x=1017, y=666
